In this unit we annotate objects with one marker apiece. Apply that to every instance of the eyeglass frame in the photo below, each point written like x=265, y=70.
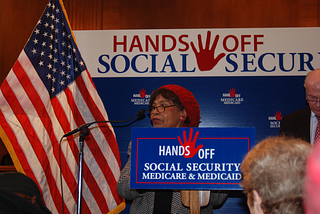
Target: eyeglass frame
x=312, y=101
x=150, y=110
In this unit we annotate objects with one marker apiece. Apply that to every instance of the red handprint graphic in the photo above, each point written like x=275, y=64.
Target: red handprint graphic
x=205, y=57
x=142, y=93
x=189, y=145
x=278, y=115
x=232, y=92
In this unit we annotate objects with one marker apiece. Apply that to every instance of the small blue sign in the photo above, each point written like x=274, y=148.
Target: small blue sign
x=189, y=158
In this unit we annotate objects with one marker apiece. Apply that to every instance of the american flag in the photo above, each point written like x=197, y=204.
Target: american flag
x=47, y=93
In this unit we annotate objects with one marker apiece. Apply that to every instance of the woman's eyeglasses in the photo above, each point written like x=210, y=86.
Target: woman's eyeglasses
x=160, y=109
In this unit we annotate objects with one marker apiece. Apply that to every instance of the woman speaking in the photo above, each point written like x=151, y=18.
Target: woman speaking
x=169, y=106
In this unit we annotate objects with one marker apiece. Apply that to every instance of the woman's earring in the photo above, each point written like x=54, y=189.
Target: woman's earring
x=183, y=118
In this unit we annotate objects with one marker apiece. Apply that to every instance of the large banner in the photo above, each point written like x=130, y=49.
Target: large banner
x=240, y=77
x=200, y=52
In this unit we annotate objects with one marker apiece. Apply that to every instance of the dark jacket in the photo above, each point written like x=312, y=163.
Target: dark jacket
x=297, y=124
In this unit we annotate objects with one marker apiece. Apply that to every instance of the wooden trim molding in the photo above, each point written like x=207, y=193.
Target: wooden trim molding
x=7, y=169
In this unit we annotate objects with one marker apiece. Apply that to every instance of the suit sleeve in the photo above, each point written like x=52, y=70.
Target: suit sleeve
x=123, y=184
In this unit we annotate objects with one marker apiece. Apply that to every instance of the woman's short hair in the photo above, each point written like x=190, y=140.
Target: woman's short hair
x=275, y=168
x=167, y=94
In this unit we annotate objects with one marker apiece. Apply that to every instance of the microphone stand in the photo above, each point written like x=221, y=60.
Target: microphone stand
x=85, y=132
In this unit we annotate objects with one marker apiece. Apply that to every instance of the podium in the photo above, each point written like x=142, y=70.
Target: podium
x=193, y=160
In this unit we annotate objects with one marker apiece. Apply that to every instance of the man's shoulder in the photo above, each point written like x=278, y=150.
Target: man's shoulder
x=297, y=124
x=301, y=112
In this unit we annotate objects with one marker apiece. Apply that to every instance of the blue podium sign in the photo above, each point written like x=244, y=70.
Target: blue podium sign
x=189, y=158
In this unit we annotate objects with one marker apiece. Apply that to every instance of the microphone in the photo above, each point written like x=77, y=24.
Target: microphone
x=85, y=126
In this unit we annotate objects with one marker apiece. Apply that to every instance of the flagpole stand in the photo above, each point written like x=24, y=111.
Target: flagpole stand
x=83, y=133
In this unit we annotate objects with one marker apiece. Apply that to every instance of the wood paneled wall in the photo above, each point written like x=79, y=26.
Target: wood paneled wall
x=19, y=17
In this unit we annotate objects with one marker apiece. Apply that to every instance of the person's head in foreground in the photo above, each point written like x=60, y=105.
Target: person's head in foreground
x=312, y=183
x=173, y=106
x=273, y=175
x=20, y=194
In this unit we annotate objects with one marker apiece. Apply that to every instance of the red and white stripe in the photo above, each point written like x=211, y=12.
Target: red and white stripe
x=34, y=125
